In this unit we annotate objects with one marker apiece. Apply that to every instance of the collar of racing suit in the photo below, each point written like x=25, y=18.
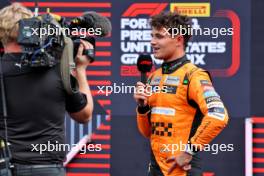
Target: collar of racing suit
x=170, y=67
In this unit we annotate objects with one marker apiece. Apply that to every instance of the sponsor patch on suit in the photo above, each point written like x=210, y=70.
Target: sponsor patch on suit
x=216, y=110
x=217, y=104
x=163, y=111
x=205, y=82
x=208, y=88
x=155, y=81
x=210, y=94
x=213, y=99
x=172, y=80
x=169, y=89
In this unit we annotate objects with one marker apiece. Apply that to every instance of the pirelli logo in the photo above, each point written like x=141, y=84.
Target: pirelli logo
x=191, y=9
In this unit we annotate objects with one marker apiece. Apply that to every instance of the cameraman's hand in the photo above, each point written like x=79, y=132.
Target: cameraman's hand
x=82, y=61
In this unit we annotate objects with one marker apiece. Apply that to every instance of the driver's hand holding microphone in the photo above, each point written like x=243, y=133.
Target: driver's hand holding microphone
x=141, y=94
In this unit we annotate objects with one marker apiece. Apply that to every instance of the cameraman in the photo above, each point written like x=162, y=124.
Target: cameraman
x=37, y=102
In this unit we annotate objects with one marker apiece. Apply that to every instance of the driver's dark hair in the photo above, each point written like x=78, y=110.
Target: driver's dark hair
x=171, y=20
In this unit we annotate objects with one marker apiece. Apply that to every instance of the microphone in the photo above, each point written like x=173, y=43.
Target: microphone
x=144, y=65
x=93, y=20
x=90, y=20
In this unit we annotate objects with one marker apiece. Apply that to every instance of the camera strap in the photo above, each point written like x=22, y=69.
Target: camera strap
x=66, y=66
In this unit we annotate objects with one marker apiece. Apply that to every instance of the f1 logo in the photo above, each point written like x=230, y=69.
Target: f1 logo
x=144, y=9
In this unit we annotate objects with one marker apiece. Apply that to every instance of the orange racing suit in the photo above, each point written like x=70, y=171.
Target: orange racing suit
x=185, y=109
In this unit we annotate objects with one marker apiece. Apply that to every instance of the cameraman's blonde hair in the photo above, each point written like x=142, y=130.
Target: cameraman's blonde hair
x=9, y=17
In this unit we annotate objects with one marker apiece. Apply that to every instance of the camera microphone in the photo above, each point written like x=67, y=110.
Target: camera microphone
x=93, y=20
x=90, y=20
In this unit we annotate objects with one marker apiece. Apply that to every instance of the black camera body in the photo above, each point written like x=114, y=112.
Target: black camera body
x=42, y=40
x=41, y=47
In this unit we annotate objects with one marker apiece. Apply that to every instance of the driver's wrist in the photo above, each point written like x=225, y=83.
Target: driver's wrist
x=143, y=109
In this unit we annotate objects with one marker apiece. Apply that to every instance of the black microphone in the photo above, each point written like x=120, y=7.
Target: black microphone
x=144, y=65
